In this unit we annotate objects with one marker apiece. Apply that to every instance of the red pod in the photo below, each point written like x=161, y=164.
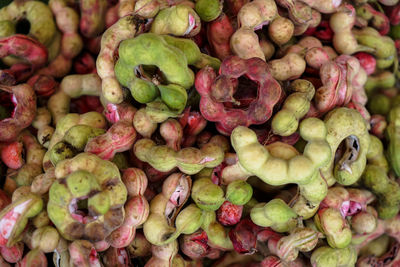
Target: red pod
x=323, y=31
x=244, y=236
x=24, y=99
x=11, y=155
x=116, y=257
x=29, y=49
x=367, y=61
x=378, y=125
x=393, y=13
x=34, y=258
x=116, y=112
x=195, y=245
x=217, y=92
x=84, y=64
x=229, y=214
x=43, y=85
x=119, y=138
x=219, y=33
x=12, y=254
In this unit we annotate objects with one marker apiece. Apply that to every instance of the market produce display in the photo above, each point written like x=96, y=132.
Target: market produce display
x=190, y=133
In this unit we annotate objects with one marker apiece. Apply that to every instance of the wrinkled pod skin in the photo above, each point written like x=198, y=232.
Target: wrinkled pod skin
x=33, y=53
x=346, y=124
x=24, y=112
x=86, y=177
x=174, y=66
x=217, y=89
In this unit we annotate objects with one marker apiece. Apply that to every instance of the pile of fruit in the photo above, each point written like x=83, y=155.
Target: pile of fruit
x=184, y=133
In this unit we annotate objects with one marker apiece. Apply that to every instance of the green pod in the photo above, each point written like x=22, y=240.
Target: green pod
x=208, y=10
x=344, y=124
x=334, y=257
x=78, y=135
x=275, y=214
x=393, y=134
x=207, y=195
x=239, y=192
x=178, y=20
x=39, y=15
x=17, y=213
x=379, y=104
x=383, y=80
x=187, y=46
x=335, y=228
x=151, y=49
x=60, y=151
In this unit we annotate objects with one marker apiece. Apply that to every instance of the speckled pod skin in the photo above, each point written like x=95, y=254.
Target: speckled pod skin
x=23, y=114
x=86, y=176
x=14, y=217
x=125, y=28
x=189, y=160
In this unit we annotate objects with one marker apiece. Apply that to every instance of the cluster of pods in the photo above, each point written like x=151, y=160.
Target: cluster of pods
x=182, y=133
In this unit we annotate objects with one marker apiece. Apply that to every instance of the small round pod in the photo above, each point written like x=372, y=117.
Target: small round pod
x=281, y=30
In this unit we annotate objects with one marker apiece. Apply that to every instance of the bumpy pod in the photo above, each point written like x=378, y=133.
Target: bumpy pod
x=72, y=86
x=341, y=203
x=32, y=53
x=166, y=222
x=378, y=20
x=123, y=29
x=119, y=138
x=86, y=177
x=215, y=91
x=286, y=121
x=275, y=214
x=301, y=169
x=346, y=124
x=394, y=138
x=179, y=20
x=152, y=49
x=74, y=141
x=42, y=26
x=189, y=160
x=67, y=21
x=92, y=22
x=339, y=79
x=24, y=112
x=92, y=119
x=14, y=217
x=83, y=253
